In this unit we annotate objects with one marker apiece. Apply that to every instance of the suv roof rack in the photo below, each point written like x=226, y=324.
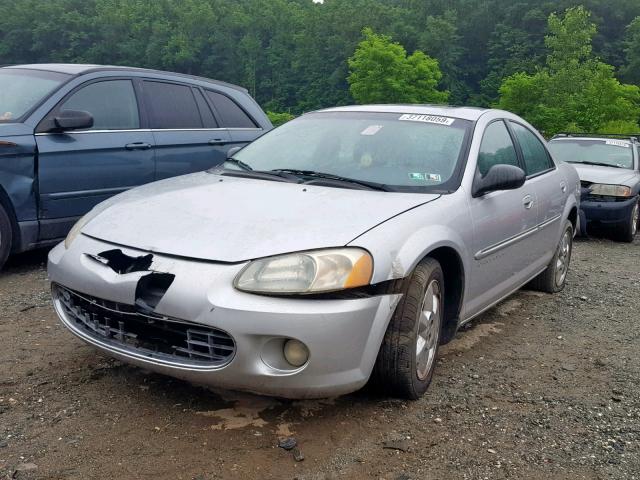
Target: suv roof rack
x=634, y=137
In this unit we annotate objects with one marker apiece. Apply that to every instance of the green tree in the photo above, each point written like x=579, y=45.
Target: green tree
x=381, y=72
x=574, y=90
x=631, y=71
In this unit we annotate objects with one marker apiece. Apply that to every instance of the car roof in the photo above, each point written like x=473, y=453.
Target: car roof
x=82, y=69
x=465, y=113
x=590, y=137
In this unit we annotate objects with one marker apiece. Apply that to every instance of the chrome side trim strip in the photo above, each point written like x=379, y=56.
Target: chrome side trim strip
x=485, y=252
x=86, y=193
x=134, y=130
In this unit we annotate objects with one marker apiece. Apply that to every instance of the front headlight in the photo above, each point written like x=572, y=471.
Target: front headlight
x=80, y=224
x=307, y=272
x=75, y=231
x=610, y=190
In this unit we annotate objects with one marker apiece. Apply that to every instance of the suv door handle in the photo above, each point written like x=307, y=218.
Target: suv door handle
x=527, y=202
x=138, y=146
x=218, y=141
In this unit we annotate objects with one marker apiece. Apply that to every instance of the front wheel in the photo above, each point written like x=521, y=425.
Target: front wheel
x=627, y=232
x=554, y=278
x=407, y=357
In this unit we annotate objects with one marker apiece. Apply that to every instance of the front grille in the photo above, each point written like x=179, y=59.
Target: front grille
x=156, y=337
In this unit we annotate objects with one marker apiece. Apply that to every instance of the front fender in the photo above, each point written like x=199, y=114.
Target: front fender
x=398, y=244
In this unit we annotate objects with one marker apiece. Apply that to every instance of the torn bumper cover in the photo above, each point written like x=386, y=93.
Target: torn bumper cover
x=184, y=318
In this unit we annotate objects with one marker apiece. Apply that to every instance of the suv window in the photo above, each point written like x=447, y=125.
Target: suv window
x=536, y=158
x=112, y=103
x=496, y=148
x=205, y=110
x=171, y=106
x=231, y=115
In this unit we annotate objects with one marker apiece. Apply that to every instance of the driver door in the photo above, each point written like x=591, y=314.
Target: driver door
x=504, y=224
x=78, y=169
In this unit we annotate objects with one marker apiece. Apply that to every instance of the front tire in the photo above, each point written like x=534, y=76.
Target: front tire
x=627, y=232
x=407, y=358
x=554, y=278
x=6, y=237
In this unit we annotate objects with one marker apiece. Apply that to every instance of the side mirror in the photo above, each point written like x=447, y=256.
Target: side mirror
x=499, y=177
x=73, y=120
x=232, y=151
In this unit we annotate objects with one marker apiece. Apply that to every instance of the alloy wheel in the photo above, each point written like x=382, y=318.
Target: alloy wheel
x=563, y=258
x=428, y=329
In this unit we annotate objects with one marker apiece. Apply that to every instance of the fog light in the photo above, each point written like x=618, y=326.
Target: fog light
x=296, y=353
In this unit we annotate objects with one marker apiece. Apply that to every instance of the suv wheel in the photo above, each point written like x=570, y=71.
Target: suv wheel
x=553, y=279
x=628, y=231
x=5, y=236
x=407, y=357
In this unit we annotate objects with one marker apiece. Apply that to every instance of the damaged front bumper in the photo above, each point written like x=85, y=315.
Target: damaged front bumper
x=182, y=317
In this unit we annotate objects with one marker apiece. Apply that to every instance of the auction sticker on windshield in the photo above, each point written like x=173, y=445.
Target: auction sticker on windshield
x=408, y=117
x=618, y=143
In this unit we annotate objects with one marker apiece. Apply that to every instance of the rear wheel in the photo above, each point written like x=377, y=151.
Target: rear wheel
x=5, y=236
x=407, y=357
x=553, y=279
x=627, y=232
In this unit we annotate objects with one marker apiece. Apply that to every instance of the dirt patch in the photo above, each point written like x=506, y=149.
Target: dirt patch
x=542, y=386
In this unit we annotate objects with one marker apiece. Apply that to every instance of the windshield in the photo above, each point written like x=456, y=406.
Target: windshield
x=23, y=89
x=616, y=153
x=393, y=149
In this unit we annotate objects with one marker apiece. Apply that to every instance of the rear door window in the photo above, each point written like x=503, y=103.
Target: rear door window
x=231, y=115
x=112, y=103
x=496, y=148
x=536, y=157
x=205, y=110
x=171, y=106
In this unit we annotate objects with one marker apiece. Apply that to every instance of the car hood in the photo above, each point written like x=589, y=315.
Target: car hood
x=608, y=175
x=229, y=219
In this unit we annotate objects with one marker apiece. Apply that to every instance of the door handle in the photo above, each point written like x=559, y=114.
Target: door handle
x=563, y=187
x=218, y=141
x=138, y=146
x=527, y=202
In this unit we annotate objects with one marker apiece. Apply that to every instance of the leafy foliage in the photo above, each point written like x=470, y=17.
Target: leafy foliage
x=278, y=118
x=574, y=90
x=381, y=72
x=293, y=54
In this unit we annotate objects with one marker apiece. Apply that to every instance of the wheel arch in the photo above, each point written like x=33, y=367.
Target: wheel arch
x=454, y=283
x=7, y=205
x=573, y=217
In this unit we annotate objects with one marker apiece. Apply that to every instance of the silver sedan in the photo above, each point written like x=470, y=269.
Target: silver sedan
x=342, y=247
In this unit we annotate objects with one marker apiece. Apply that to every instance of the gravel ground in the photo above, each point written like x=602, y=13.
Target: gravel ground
x=542, y=386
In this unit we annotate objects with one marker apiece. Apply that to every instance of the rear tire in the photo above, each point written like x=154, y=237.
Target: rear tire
x=6, y=236
x=627, y=232
x=554, y=278
x=407, y=357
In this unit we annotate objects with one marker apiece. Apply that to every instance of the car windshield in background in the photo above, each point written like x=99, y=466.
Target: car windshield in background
x=607, y=152
x=402, y=151
x=23, y=89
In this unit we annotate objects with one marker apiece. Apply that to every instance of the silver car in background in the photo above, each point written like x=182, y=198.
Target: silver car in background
x=344, y=246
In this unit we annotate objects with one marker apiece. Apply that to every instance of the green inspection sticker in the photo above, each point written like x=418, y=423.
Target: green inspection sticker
x=416, y=176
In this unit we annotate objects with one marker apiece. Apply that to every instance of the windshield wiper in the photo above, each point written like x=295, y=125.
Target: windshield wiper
x=331, y=176
x=246, y=171
x=239, y=163
x=599, y=164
